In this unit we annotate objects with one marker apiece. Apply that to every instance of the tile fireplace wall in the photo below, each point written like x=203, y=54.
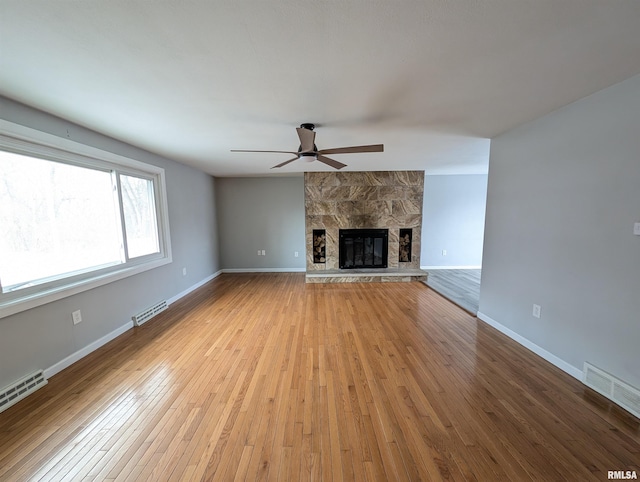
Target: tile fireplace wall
x=361, y=200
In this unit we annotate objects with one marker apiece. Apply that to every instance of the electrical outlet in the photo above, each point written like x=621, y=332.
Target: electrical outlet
x=295, y=253
x=259, y=253
x=444, y=252
x=184, y=271
x=264, y=253
x=536, y=311
x=76, y=316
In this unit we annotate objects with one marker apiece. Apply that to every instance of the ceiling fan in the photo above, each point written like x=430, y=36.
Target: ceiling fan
x=309, y=151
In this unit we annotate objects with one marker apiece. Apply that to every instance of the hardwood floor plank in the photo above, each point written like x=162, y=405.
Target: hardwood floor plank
x=332, y=444
x=265, y=377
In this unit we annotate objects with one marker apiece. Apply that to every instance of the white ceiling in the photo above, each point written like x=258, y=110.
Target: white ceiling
x=431, y=79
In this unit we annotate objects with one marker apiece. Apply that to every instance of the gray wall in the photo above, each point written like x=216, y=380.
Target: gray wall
x=41, y=337
x=261, y=213
x=453, y=220
x=563, y=195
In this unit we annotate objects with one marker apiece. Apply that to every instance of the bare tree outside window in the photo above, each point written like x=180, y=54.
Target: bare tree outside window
x=55, y=218
x=139, y=216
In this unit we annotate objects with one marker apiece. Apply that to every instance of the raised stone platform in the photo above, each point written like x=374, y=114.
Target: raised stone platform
x=388, y=275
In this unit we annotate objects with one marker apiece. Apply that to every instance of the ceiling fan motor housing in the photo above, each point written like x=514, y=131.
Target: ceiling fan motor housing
x=312, y=153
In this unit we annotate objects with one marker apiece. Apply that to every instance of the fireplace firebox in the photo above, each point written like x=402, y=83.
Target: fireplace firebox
x=363, y=248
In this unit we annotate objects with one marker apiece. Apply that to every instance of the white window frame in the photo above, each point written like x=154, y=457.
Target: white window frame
x=24, y=140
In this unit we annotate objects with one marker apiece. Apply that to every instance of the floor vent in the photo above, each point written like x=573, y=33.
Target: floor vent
x=616, y=390
x=149, y=313
x=16, y=392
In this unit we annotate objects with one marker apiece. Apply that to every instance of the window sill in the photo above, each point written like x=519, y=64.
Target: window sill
x=33, y=300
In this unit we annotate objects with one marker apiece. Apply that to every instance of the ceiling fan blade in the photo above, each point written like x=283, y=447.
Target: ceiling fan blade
x=354, y=149
x=285, y=162
x=331, y=162
x=280, y=152
x=307, y=139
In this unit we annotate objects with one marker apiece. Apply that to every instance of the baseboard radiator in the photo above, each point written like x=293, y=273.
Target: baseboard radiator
x=17, y=391
x=614, y=389
x=149, y=313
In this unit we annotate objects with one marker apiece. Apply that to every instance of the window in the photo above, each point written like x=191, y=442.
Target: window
x=70, y=221
x=139, y=216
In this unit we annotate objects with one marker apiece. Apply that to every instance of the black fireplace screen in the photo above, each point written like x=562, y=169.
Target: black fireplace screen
x=363, y=248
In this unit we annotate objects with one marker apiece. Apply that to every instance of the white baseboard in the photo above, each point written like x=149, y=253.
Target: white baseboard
x=550, y=357
x=451, y=267
x=264, y=270
x=175, y=298
x=74, y=357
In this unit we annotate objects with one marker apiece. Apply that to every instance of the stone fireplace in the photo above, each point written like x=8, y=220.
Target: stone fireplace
x=338, y=203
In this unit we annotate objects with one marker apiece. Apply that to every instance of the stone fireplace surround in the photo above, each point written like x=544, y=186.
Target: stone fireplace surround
x=363, y=200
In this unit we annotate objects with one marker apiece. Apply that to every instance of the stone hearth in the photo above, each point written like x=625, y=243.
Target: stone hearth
x=363, y=200
x=365, y=275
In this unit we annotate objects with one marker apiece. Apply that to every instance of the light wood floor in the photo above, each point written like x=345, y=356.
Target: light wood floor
x=264, y=377
x=462, y=286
